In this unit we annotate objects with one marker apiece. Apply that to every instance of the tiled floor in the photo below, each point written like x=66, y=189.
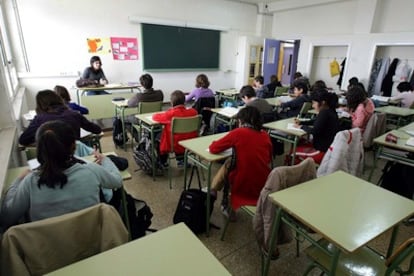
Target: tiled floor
x=239, y=252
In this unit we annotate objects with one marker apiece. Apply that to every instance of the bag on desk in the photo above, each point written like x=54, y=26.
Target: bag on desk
x=191, y=210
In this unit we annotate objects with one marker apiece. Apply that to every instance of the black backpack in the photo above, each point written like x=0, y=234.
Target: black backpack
x=397, y=178
x=143, y=157
x=140, y=215
x=117, y=133
x=191, y=210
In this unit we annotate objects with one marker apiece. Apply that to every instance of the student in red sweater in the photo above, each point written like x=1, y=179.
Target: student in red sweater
x=247, y=170
x=177, y=110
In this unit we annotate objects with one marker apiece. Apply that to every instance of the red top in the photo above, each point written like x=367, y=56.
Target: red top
x=253, y=158
x=165, y=118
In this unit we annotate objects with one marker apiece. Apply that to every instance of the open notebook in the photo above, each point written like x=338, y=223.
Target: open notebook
x=410, y=142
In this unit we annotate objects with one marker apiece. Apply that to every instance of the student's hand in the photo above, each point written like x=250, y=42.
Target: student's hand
x=99, y=157
x=23, y=174
x=103, y=82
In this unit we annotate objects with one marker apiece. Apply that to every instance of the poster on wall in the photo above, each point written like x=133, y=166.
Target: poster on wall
x=99, y=46
x=124, y=48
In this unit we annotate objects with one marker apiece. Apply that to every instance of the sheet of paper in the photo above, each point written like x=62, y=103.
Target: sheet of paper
x=33, y=164
x=149, y=118
x=110, y=85
x=411, y=132
x=410, y=142
x=285, y=99
x=291, y=126
x=380, y=98
x=225, y=152
x=29, y=115
x=84, y=133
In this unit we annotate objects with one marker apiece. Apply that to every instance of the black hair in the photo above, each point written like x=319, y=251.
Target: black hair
x=177, y=98
x=322, y=95
x=146, y=81
x=259, y=79
x=319, y=84
x=250, y=116
x=247, y=91
x=404, y=86
x=48, y=101
x=55, y=142
x=353, y=81
x=301, y=84
x=355, y=96
x=297, y=75
x=93, y=59
x=273, y=78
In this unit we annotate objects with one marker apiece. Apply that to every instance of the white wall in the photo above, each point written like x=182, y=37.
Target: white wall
x=55, y=35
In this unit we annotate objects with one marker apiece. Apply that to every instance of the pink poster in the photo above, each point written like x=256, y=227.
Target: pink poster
x=124, y=48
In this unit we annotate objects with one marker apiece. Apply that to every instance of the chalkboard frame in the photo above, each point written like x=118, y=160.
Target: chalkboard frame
x=179, y=48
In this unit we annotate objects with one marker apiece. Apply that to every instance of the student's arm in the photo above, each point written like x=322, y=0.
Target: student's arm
x=358, y=117
x=89, y=126
x=222, y=144
x=29, y=134
x=82, y=110
x=133, y=102
x=107, y=173
x=85, y=74
x=16, y=202
x=190, y=96
x=163, y=117
x=295, y=103
x=103, y=76
x=319, y=124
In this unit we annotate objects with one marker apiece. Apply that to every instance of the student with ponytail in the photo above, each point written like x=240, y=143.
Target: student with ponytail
x=62, y=183
x=323, y=128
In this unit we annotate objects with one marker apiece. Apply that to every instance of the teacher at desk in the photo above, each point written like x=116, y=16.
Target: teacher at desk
x=95, y=73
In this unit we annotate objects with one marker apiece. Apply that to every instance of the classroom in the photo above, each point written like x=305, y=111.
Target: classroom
x=45, y=43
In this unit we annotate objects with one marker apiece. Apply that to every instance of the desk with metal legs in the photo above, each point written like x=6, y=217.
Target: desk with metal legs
x=347, y=211
x=279, y=130
x=196, y=151
x=122, y=110
x=402, y=114
x=80, y=91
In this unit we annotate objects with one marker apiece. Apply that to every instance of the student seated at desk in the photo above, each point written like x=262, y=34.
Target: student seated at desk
x=405, y=94
x=178, y=109
x=359, y=106
x=248, y=96
x=325, y=126
x=247, y=170
x=95, y=73
x=293, y=107
x=49, y=107
x=64, y=94
x=149, y=94
x=261, y=90
x=62, y=184
x=274, y=82
x=201, y=90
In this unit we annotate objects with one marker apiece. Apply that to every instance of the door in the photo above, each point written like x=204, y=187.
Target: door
x=270, y=58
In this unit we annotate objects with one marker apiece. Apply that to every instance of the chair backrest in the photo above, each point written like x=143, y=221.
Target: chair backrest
x=148, y=107
x=346, y=153
x=279, y=178
x=305, y=108
x=404, y=251
x=376, y=126
x=184, y=125
x=200, y=105
x=31, y=153
x=280, y=90
x=39, y=247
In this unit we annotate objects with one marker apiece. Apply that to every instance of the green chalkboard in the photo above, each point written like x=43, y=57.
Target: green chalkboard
x=179, y=48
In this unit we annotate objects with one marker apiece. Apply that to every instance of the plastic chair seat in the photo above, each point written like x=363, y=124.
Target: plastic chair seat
x=364, y=261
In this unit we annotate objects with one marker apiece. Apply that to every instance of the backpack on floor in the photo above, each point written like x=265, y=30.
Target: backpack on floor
x=397, y=178
x=117, y=132
x=140, y=215
x=143, y=157
x=191, y=210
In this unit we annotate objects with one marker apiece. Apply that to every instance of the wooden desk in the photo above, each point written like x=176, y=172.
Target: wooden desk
x=196, y=150
x=145, y=121
x=275, y=101
x=80, y=91
x=347, y=211
x=279, y=130
x=171, y=251
x=402, y=114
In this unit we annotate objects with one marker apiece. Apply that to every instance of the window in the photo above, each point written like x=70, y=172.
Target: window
x=7, y=61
